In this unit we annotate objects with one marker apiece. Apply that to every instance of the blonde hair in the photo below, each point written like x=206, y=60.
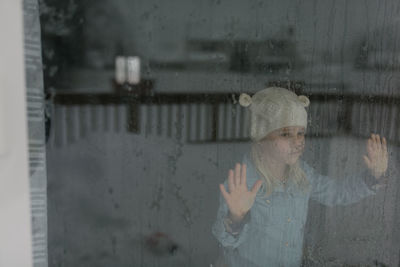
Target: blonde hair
x=295, y=173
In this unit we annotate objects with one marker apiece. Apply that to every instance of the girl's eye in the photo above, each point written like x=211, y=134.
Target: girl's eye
x=285, y=134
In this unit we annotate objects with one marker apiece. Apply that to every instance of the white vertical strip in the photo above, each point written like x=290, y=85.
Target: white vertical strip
x=396, y=118
x=75, y=121
x=152, y=119
x=157, y=120
x=85, y=121
x=149, y=122
x=361, y=118
x=328, y=113
x=198, y=122
x=392, y=123
x=192, y=130
x=169, y=121
x=317, y=121
x=312, y=117
x=236, y=130
x=123, y=118
x=53, y=118
x=164, y=120
x=202, y=123
x=375, y=117
x=55, y=124
x=246, y=123
x=178, y=117
x=208, y=122
x=383, y=120
x=15, y=223
x=192, y=122
x=174, y=120
x=65, y=124
x=70, y=124
x=120, y=121
x=220, y=122
x=333, y=112
x=100, y=111
x=240, y=121
x=185, y=122
x=62, y=129
x=367, y=118
x=110, y=117
x=105, y=118
x=115, y=119
x=93, y=118
x=143, y=119
x=323, y=125
x=80, y=119
x=228, y=121
x=354, y=118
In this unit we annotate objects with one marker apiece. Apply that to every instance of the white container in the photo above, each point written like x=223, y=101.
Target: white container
x=120, y=69
x=133, y=64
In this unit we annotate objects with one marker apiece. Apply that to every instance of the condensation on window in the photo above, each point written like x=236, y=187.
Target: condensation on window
x=222, y=133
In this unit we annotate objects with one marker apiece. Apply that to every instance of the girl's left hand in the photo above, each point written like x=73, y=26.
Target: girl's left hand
x=377, y=155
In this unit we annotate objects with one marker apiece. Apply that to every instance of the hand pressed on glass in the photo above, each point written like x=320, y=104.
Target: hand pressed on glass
x=239, y=199
x=377, y=156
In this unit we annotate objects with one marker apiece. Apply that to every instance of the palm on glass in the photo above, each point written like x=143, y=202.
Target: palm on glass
x=239, y=198
x=377, y=155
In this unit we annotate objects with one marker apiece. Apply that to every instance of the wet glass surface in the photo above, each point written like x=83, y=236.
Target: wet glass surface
x=144, y=123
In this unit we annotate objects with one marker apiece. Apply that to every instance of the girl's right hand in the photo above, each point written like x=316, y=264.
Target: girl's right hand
x=239, y=199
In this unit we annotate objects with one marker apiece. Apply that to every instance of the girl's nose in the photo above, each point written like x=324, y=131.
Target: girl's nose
x=298, y=141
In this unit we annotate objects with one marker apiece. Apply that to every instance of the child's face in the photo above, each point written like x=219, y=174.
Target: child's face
x=284, y=145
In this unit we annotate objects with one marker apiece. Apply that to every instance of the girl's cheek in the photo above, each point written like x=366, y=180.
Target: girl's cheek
x=281, y=148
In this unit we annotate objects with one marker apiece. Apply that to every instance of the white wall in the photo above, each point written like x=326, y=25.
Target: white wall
x=15, y=223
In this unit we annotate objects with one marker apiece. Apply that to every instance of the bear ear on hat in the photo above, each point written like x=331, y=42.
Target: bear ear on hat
x=304, y=100
x=245, y=100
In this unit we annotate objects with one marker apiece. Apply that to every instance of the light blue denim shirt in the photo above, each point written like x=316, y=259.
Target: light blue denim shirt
x=273, y=235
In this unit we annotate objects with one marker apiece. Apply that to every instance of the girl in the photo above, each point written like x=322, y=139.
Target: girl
x=263, y=208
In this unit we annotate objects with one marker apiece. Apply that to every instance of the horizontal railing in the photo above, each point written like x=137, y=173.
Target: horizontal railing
x=218, y=117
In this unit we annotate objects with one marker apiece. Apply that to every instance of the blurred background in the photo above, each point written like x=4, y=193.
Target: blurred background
x=142, y=121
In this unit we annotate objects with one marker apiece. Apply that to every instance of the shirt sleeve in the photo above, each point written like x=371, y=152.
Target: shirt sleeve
x=229, y=237
x=332, y=192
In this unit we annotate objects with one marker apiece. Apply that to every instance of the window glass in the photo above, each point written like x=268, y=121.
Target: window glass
x=151, y=106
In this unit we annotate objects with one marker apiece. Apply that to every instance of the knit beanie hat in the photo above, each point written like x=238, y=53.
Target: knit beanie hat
x=274, y=108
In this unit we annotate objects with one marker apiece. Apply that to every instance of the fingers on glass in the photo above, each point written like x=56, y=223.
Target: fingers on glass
x=366, y=159
x=375, y=143
x=231, y=182
x=378, y=142
x=236, y=177
x=223, y=191
x=384, y=145
x=237, y=174
x=243, y=175
x=370, y=147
